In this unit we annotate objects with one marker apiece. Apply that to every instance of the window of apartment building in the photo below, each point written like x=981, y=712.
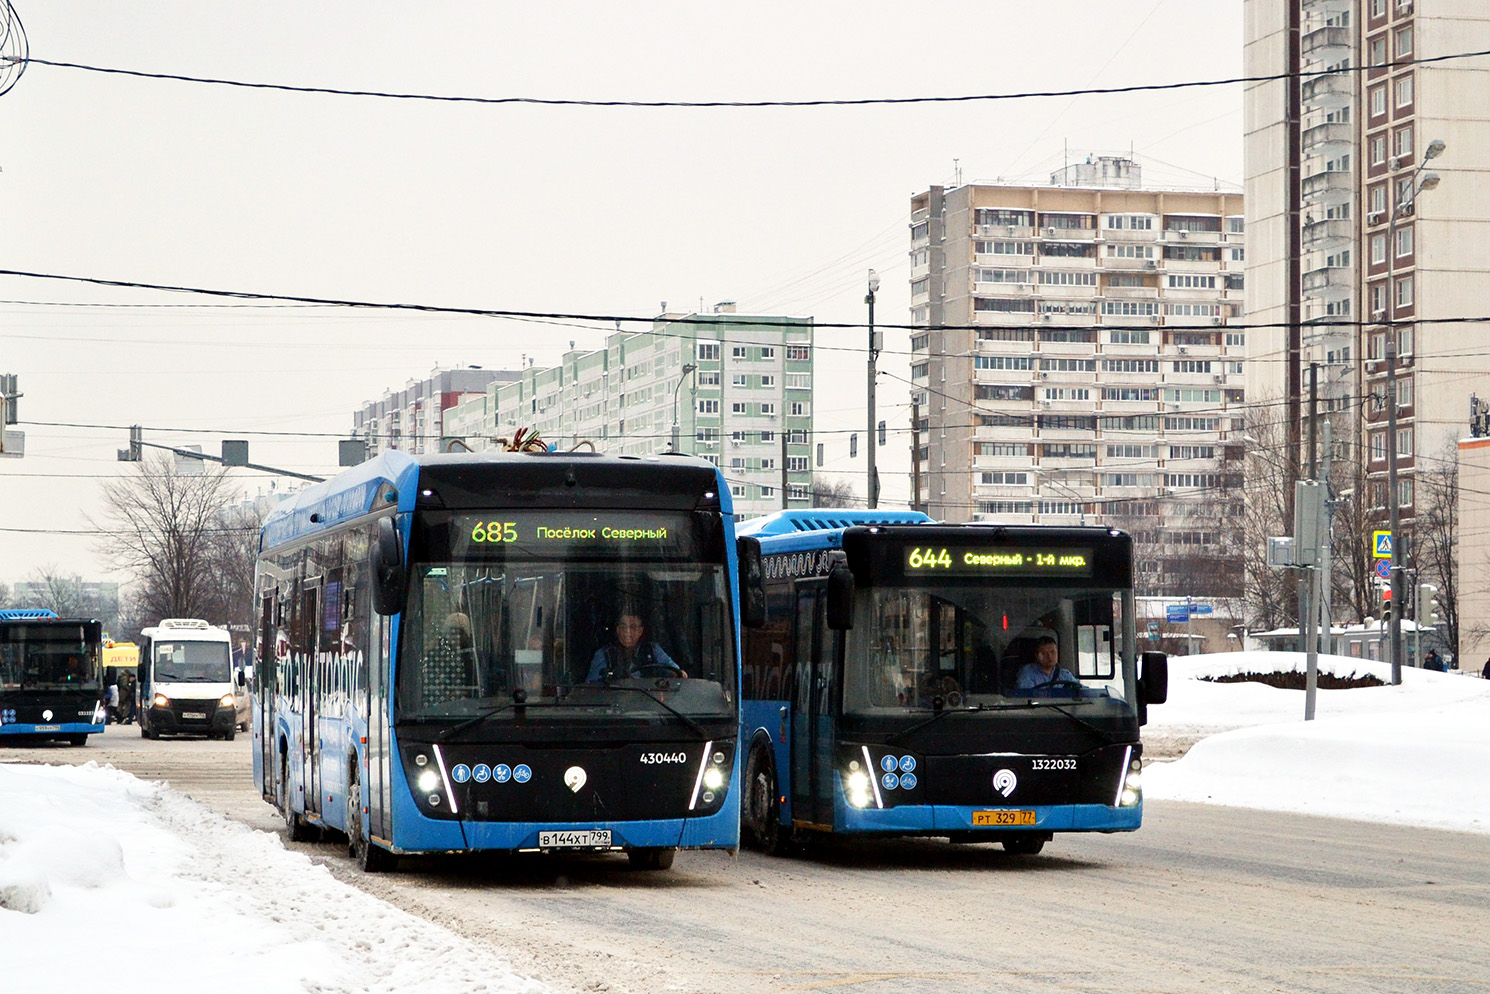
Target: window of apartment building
x=1132, y=451
x=1001, y=276
x=710, y=379
x=1376, y=51
x=1191, y=281
x=1068, y=250
x=739, y=380
x=708, y=351
x=1378, y=446
x=1192, y=253
x=798, y=353
x=798, y=408
x=1130, y=393
x=738, y=407
x=1404, y=341
x=1402, y=142
x=1131, y=422
x=1004, y=248
x=1130, y=308
x=1378, y=249
x=1130, y=365
x=796, y=464
x=1067, y=222
x=1192, y=395
x=1404, y=292
x=1128, y=479
x=739, y=352
x=1060, y=277
x=1005, y=305
x=799, y=381
x=1404, y=493
x=1378, y=146
x=737, y=489
x=1192, y=366
x=1404, y=441
x=1006, y=479
x=1237, y=255
x=1067, y=393
x=1079, y=336
x=1192, y=222
x=768, y=353
x=1404, y=393
x=797, y=436
x=768, y=464
x=767, y=382
x=1068, y=450
x=1193, y=310
x=1007, y=449
x=1236, y=225
x=1126, y=280
x=1404, y=241
x=1069, y=365
x=1378, y=300
x=1192, y=424
x=991, y=391
x=769, y=410
x=1123, y=337
x=919, y=342
x=709, y=435
x=1129, y=222
x=1337, y=308
x=1005, y=335
x=1236, y=339
x=1004, y=507
x=1015, y=362
x=1378, y=100
x=1130, y=251
x=1068, y=307
x=1378, y=8
x=998, y=215
x=1402, y=42
x=708, y=407
x=1192, y=480
x=1192, y=452
x=737, y=462
x=1403, y=88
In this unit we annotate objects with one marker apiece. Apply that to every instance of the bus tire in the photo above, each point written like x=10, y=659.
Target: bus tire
x=296, y=830
x=651, y=859
x=1025, y=843
x=761, y=811
x=78, y=740
x=368, y=857
x=228, y=735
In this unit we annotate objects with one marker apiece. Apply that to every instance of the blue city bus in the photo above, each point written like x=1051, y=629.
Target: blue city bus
x=434, y=674
x=904, y=681
x=50, y=678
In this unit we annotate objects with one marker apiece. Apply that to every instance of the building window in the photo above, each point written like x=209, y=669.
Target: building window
x=796, y=464
x=1378, y=249
x=1376, y=50
x=1404, y=393
x=1236, y=338
x=797, y=409
x=1404, y=493
x=1404, y=441
x=797, y=353
x=738, y=407
x=1378, y=199
x=1378, y=8
x=1404, y=42
x=708, y=351
x=708, y=407
x=1404, y=241
x=1119, y=337
x=1378, y=446
x=1378, y=100
x=1404, y=292
x=1404, y=91
x=768, y=353
x=1402, y=142
x=769, y=410
x=1378, y=149
x=738, y=380
x=708, y=379
x=739, y=352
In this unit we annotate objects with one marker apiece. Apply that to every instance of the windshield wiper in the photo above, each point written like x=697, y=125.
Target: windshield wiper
x=703, y=733
x=1105, y=736
x=938, y=716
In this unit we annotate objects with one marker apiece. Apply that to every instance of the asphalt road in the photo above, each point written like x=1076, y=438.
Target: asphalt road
x=1201, y=899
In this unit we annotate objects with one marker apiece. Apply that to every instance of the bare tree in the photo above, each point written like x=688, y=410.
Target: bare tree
x=833, y=493
x=1436, y=534
x=4, y=595
x=1272, y=598
x=166, y=529
x=48, y=587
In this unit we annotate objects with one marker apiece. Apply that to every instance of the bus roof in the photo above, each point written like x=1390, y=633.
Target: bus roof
x=817, y=528
x=27, y=614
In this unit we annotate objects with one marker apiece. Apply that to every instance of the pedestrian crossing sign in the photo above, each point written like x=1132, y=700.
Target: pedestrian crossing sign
x=1381, y=545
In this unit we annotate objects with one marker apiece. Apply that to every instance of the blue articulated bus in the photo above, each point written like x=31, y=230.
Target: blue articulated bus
x=969, y=681
x=508, y=651
x=50, y=686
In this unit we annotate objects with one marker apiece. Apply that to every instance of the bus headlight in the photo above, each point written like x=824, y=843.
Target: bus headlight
x=713, y=774
x=858, y=789
x=161, y=701
x=713, y=778
x=1132, y=790
x=428, y=781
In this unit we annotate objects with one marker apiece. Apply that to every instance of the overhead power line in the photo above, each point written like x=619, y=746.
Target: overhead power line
x=655, y=104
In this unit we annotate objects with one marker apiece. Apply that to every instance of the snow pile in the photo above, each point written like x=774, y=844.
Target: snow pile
x=162, y=894
x=1418, y=753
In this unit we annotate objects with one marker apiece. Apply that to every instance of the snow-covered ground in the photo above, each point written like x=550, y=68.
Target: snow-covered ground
x=1414, y=754
x=97, y=865
x=144, y=890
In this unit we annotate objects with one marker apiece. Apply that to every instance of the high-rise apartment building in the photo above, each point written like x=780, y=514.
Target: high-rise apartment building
x=1076, y=363
x=733, y=388
x=412, y=420
x=1355, y=246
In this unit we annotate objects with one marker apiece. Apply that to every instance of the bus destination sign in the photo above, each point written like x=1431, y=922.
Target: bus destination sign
x=926, y=560
x=559, y=532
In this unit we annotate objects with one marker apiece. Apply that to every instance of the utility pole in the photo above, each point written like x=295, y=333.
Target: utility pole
x=874, y=480
x=915, y=457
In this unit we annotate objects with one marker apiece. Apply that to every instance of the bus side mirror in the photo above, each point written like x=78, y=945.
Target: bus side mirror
x=752, y=582
x=840, y=598
x=388, y=569
x=1153, y=682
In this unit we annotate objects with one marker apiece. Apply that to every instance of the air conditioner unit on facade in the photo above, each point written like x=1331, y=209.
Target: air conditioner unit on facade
x=1184, y=350
x=1050, y=232
x=1150, y=264
x=1184, y=234
x=1375, y=217
x=1220, y=377
x=1394, y=163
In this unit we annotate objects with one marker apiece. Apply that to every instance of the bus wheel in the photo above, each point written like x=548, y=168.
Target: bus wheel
x=1025, y=843
x=651, y=859
x=762, y=812
x=78, y=740
x=228, y=735
x=296, y=830
x=370, y=858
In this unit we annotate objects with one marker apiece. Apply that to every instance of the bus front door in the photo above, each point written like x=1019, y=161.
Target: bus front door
x=813, y=726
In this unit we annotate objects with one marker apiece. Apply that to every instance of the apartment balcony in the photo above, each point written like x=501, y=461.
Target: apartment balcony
x=1067, y=234
x=1332, y=138
x=1330, y=282
x=1003, y=231
x=1054, y=291
x=1321, y=9
x=1132, y=292
x=1185, y=237
x=1004, y=261
x=1327, y=44
x=1127, y=265
x=1329, y=92
x=1336, y=187
x=1328, y=234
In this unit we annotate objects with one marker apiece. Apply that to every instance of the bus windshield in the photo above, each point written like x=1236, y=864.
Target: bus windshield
x=45, y=657
x=553, y=613
x=192, y=662
x=952, y=646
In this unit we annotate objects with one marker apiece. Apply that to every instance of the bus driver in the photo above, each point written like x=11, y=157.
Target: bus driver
x=1046, y=674
x=631, y=655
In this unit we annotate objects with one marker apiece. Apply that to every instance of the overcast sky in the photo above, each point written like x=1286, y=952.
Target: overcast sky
x=517, y=207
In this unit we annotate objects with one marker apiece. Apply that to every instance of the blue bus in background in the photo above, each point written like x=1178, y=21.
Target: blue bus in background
x=50, y=677
x=437, y=665
x=975, y=682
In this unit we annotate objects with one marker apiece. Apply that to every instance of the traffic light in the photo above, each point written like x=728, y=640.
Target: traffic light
x=1428, y=606
x=1386, y=605
x=853, y=445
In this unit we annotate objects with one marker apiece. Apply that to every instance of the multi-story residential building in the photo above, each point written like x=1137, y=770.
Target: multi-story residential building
x=1076, y=362
x=733, y=388
x=1352, y=247
x=413, y=419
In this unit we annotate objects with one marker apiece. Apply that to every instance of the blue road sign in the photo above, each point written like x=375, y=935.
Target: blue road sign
x=1384, y=568
x=1177, y=612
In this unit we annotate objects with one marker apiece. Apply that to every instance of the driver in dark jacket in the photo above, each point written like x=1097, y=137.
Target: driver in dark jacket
x=631, y=655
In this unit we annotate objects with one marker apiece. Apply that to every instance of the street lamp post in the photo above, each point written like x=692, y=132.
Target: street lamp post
x=1413, y=186
x=870, y=437
x=688, y=367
